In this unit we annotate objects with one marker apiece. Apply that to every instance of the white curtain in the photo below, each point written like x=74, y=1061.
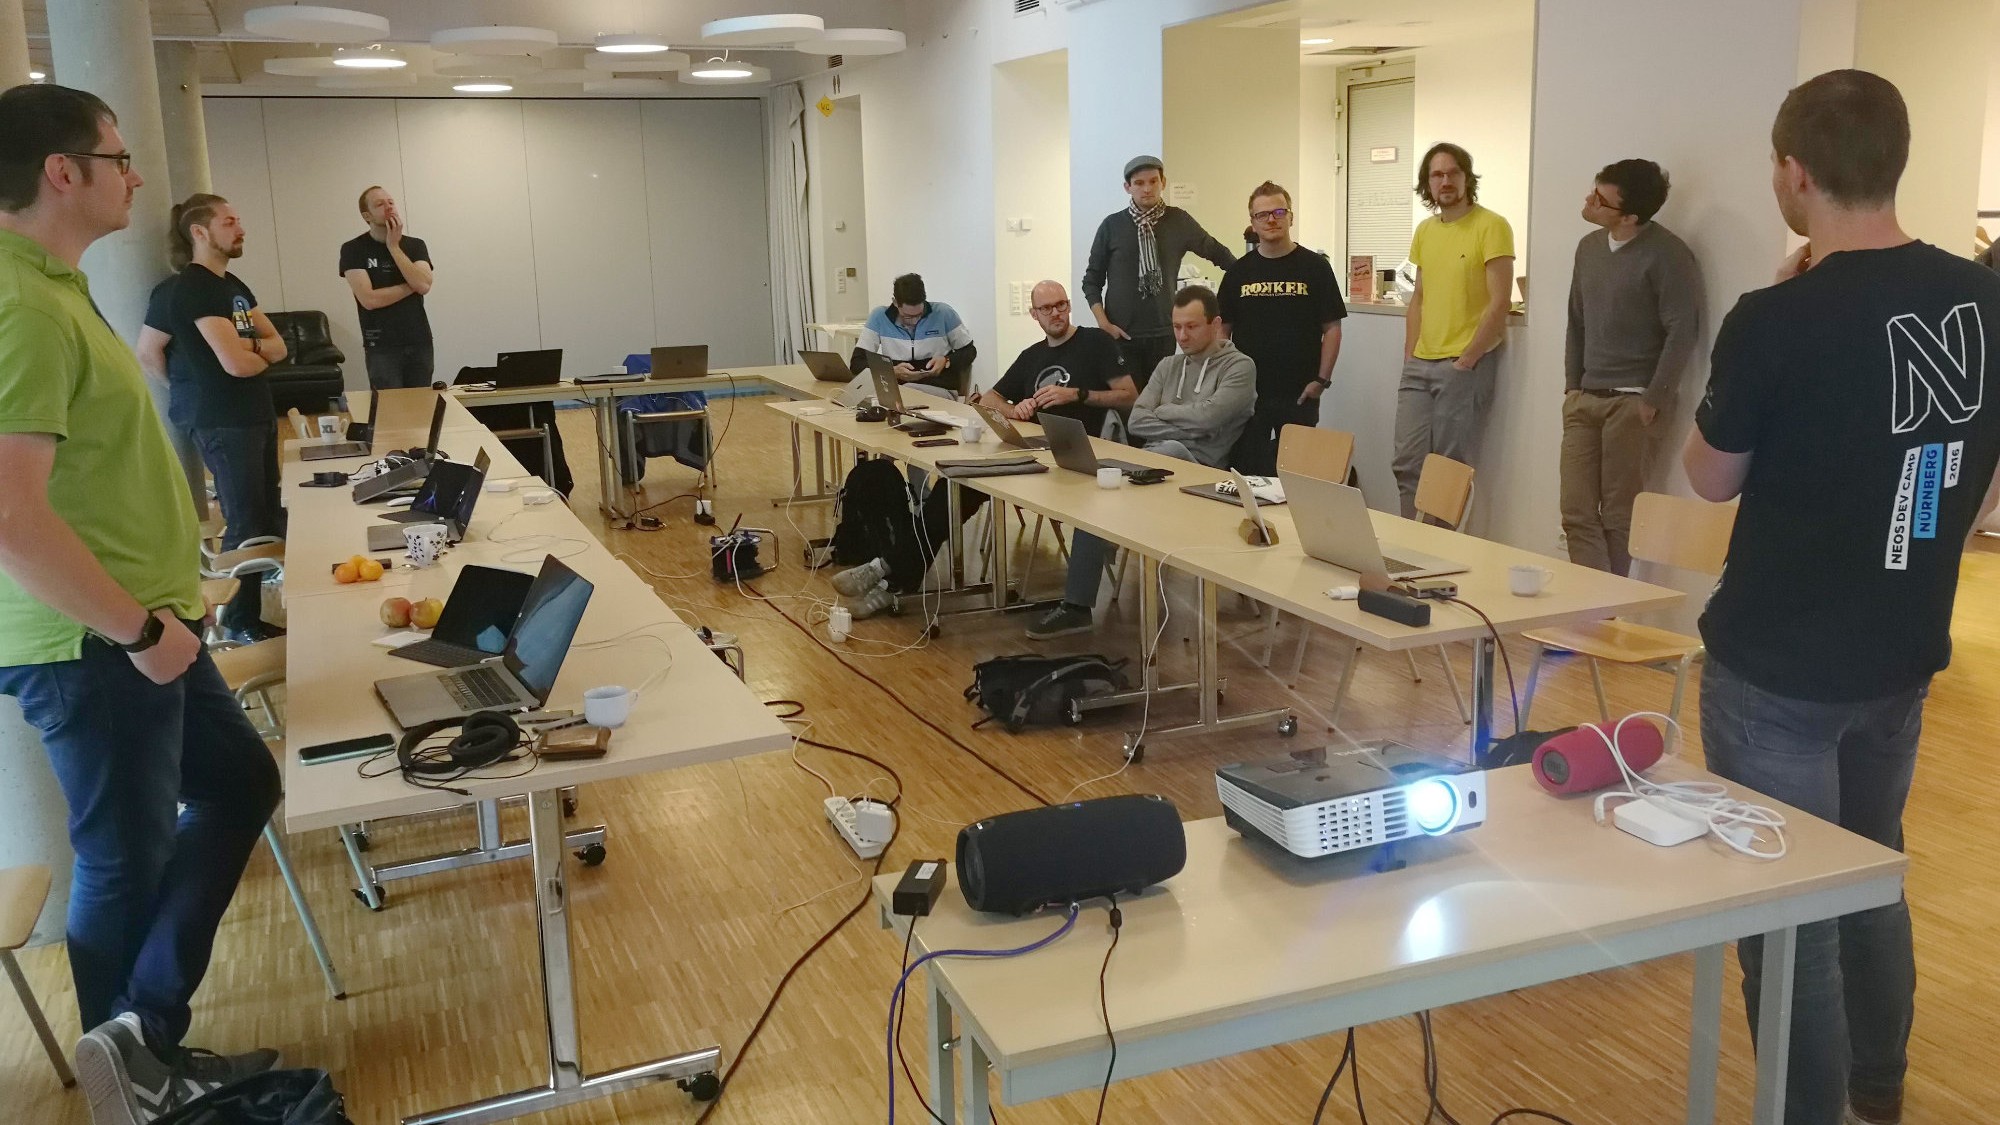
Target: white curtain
x=785, y=181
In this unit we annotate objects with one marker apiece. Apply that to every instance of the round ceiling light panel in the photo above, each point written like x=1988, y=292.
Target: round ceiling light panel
x=483, y=86
x=369, y=58
x=762, y=31
x=731, y=74
x=853, y=41
x=637, y=64
x=494, y=40
x=305, y=23
x=631, y=44
x=301, y=66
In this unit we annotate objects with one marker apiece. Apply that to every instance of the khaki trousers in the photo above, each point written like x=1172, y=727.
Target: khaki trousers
x=1605, y=452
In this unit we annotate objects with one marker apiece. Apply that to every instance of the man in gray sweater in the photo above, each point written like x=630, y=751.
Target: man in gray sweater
x=1135, y=262
x=1634, y=315
x=1194, y=408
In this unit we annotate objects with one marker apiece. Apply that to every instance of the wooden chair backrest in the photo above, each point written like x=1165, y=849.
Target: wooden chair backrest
x=1444, y=489
x=1312, y=452
x=1681, y=531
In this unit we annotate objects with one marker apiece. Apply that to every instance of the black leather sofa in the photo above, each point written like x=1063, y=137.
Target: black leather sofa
x=309, y=377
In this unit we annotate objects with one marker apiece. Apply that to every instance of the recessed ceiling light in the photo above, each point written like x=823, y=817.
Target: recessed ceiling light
x=631, y=44
x=483, y=86
x=36, y=76
x=721, y=70
x=305, y=23
x=369, y=58
x=761, y=31
x=1314, y=42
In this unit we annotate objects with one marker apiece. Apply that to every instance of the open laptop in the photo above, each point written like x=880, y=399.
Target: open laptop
x=520, y=679
x=1071, y=446
x=1333, y=526
x=1003, y=428
x=888, y=388
x=360, y=439
x=448, y=496
x=528, y=369
x=825, y=366
x=686, y=362
x=477, y=619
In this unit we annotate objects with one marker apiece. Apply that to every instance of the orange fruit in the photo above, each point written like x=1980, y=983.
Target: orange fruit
x=370, y=570
x=346, y=573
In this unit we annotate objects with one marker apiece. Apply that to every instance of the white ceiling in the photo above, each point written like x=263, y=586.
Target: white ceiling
x=232, y=60
x=1385, y=23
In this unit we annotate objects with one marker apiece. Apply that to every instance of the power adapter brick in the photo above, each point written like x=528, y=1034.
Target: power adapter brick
x=919, y=889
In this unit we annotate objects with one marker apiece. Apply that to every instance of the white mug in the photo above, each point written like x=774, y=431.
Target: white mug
x=1110, y=478
x=329, y=425
x=1527, y=580
x=608, y=707
x=972, y=432
x=424, y=543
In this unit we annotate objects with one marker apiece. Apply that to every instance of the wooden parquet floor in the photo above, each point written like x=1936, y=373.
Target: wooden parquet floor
x=719, y=876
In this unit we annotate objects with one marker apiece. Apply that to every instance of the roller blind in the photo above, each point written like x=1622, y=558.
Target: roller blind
x=1381, y=121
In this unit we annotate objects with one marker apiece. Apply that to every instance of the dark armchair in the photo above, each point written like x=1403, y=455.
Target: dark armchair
x=309, y=376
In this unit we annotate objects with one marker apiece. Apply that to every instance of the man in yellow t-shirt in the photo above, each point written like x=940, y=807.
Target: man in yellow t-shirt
x=1464, y=256
x=100, y=601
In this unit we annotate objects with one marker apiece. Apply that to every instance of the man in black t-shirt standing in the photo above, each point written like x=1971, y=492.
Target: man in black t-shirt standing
x=1845, y=407
x=223, y=343
x=1283, y=309
x=1073, y=371
x=390, y=272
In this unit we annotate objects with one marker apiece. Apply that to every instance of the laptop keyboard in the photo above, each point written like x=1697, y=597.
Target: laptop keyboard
x=1398, y=566
x=442, y=654
x=478, y=688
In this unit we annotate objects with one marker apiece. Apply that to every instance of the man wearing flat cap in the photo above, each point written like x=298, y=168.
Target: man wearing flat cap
x=1135, y=262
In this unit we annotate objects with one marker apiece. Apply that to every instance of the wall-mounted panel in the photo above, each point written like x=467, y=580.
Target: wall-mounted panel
x=709, y=227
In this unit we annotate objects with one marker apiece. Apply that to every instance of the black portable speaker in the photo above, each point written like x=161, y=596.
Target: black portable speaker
x=1016, y=862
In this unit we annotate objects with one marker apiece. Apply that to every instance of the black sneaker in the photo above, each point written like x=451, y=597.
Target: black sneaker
x=127, y=1083
x=1061, y=621
x=251, y=634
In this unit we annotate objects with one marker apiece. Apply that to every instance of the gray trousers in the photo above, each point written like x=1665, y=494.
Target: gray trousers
x=1442, y=410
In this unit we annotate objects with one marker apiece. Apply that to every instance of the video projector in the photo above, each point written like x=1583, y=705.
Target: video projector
x=1339, y=799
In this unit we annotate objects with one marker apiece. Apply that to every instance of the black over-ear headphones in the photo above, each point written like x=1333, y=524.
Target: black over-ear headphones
x=486, y=738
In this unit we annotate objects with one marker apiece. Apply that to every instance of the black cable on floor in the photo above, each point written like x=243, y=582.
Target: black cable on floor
x=1326, y=1095
x=1431, y=1084
x=908, y=937
x=1104, y=1005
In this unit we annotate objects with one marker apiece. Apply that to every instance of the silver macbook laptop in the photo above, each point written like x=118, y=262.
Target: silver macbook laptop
x=1003, y=428
x=1334, y=526
x=687, y=361
x=1071, y=445
x=888, y=389
x=827, y=367
x=525, y=672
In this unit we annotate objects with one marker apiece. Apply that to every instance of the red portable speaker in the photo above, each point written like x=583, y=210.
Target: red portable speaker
x=1580, y=761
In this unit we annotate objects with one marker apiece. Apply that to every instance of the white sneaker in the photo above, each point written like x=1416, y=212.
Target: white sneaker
x=858, y=580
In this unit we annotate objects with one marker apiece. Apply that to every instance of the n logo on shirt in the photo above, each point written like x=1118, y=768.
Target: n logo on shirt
x=1945, y=370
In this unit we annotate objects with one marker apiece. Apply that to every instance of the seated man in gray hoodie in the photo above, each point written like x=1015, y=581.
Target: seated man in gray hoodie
x=1194, y=407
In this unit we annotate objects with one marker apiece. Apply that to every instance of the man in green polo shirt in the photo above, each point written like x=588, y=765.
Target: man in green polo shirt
x=100, y=604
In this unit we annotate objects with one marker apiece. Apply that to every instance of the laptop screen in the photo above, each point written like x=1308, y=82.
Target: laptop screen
x=468, y=497
x=483, y=605
x=437, y=428
x=546, y=627
x=528, y=369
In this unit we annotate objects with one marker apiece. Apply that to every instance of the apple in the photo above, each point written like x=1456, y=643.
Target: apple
x=425, y=614
x=396, y=613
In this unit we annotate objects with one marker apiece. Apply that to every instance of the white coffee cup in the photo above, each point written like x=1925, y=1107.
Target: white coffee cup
x=1527, y=580
x=1110, y=478
x=971, y=432
x=424, y=543
x=329, y=425
x=609, y=706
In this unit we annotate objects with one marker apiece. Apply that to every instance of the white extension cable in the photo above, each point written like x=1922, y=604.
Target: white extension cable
x=1739, y=824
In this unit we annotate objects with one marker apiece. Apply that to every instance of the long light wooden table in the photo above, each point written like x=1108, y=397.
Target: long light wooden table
x=1166, y=527
x=1249, y=947
x=698, y=711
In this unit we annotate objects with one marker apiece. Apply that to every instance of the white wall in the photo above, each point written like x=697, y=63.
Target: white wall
x=1938, y=54
x=839, y=199
x=1231, y=103
x=1477, y=94
x=600, y=227
x=1317, y=192
x=1989, y=157
x=1031, y=127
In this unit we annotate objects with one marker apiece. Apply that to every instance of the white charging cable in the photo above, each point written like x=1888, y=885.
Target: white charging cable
x=1736, y=823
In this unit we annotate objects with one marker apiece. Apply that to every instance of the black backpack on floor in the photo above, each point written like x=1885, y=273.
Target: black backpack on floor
x=1038, y=691
x=876, y=521
x=275, y=1097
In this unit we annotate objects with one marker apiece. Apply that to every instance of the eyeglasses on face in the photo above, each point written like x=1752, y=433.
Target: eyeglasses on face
x=123, y=159
x=1049, y=309
x=1275, y=214
x=1596, y=199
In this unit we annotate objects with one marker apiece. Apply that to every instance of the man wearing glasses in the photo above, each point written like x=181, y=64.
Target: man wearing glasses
x=100, y=600
x=924, y=341
x=1282, y=307
x=1135, y=264
x=1073, y=371
x=1634, y=315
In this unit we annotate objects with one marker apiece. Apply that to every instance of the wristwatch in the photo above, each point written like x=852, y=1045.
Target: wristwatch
x=1324, y=382
x=148, y=637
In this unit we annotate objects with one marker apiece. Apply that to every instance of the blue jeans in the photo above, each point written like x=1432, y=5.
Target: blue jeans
x=1855, y=980
x=244, y=462
x=389, y=369
x=150, y=885
x=1089, y=555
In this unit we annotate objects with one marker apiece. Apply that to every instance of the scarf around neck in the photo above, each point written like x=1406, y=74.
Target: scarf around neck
x=1146, y=219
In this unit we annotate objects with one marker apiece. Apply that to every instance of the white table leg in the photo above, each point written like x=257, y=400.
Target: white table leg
x=943, y=1090
x=974, y=1105
x=1482, y=697
x=1705, y=1035
x=1774, y=1024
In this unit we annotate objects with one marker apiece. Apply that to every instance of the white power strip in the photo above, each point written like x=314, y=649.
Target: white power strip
x=866, y=829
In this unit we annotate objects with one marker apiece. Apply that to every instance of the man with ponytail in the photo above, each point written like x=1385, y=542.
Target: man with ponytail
x=155, y=350
x=223, y=345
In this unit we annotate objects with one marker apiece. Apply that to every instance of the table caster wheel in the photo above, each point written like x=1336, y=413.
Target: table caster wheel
x=935, y=631
x=702, y=1087
x=1135, y=752
x=1073, y=714
x=591, y=855
x=1288, y=726
x=381, y=900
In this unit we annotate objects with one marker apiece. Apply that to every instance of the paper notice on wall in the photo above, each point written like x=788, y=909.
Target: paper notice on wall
x=1181, y=195
x=824, y=105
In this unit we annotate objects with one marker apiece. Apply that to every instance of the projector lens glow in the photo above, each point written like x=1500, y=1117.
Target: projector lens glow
x=1433, y=804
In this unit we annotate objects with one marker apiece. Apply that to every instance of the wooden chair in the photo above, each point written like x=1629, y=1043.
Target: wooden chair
x=1673, y=531
x=1444, y=493
x=23, y=893
x=251, y=671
